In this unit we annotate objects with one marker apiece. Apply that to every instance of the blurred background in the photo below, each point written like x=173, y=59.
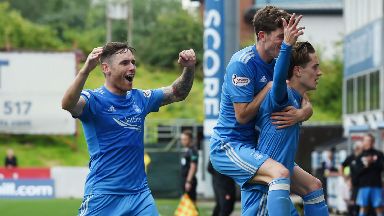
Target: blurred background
x=44, y=42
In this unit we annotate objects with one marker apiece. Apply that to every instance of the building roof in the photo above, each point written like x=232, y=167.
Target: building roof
x=304, y=7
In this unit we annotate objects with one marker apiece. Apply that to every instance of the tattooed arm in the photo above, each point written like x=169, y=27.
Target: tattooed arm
x=181, y=87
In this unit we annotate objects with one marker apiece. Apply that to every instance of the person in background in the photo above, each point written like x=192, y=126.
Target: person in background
x=348, y=170
x=328, y=168
x=188, y=161
x=10, y=160
x=370, y=164
x=225, y=192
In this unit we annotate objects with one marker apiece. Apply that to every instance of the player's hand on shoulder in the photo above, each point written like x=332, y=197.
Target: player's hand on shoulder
x=187, y=58
x=291, y=31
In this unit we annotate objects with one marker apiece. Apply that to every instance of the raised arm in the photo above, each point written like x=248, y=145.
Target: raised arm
x=291, y=33
x=72, y=102
x=289, y=115
x=181, y=87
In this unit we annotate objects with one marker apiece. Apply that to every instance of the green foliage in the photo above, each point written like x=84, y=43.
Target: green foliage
x=328, y=96
x=19, y=33
x=167, y=34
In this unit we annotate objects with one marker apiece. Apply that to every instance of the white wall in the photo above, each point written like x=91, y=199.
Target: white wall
x=358, y=13
x=69, y=181
x=324, y=32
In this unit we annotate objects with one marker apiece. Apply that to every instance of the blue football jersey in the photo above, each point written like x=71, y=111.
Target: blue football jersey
x=246, y=74
x=114, y=130
x=279, y=144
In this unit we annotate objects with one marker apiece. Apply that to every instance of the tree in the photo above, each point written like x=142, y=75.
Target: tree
x=328, y=95
x=164, y=37
x=19, y=33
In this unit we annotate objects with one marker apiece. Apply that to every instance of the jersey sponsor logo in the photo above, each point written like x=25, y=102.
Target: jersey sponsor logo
x=240, y=81
x=111, y=109
x=133, y=123
x=263, y=79
x=147, y=93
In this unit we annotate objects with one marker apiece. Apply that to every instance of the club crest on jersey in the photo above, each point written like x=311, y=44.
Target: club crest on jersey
x=147, y=93
x=240, y=81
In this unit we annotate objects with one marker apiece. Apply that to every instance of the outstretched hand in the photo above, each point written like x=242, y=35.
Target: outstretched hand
x=187, y=58
x=93, y=59
x=291, y=31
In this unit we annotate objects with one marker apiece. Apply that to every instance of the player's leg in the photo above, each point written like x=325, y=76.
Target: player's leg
x=253, y=202
x=377, y=200
x=310, y=189
x=277, y=177
x=246, y=165
x=363, y=200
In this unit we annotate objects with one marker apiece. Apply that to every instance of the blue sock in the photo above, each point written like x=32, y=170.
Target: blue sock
x=314, y=204
x=362, y=214
x=278, y=201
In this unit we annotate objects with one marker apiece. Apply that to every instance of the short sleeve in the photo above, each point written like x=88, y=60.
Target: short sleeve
x=89, y=108
x=194, y=156
x=240, y=82
x=154, y=98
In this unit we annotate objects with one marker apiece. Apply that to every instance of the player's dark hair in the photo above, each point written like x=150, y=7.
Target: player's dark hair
x=300, y=56
x=269, y=19
x=112, y=48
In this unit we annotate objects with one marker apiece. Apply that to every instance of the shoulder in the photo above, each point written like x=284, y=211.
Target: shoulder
x=145, y=93
x=243, y=56
x=92, y=92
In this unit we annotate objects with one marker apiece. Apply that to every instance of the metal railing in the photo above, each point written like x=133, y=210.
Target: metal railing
x=164, y=134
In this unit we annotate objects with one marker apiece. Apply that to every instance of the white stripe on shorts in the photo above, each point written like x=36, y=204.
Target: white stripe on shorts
x=84, y=206
x=237, y=160
x=262, y=211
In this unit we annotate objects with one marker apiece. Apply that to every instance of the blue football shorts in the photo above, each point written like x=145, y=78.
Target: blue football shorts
x=370, y=196
x=141, y=204
x=237, y=160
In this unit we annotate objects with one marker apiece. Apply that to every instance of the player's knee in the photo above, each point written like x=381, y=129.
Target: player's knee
x=313, y=186
x=316, y=184
x=280, y=172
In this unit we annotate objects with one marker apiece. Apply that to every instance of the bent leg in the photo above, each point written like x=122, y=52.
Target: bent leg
x=310, y=189
x=277, y=177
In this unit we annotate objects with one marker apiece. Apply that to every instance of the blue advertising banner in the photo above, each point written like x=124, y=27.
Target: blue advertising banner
x=27, y=189
x=362, y=49
x=214, y=61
